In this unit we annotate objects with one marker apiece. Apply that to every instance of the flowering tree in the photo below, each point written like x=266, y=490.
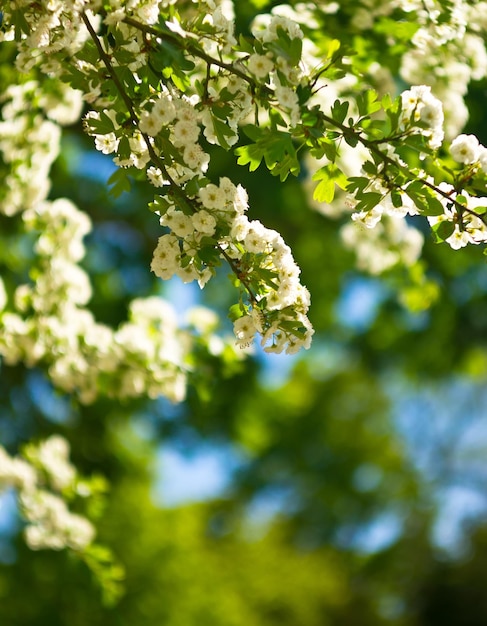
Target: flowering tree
x=364, y=100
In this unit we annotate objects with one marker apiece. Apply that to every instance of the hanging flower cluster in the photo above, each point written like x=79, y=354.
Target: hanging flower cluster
x=162, y=83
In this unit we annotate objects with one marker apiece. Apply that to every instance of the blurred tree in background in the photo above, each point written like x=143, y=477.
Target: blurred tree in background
x=354, y=474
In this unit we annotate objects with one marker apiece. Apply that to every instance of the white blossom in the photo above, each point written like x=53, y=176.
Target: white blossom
x=465, y=149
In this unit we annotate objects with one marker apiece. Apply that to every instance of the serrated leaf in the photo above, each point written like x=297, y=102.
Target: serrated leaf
x=352, y=140
x=324, y=191
x=325, y=147
x=369, y=168
x=329, y=176
x=253, y=132
x=120, y=183
x=339, y=111
x=357, y=183
x=367, y=102
x=288, y=165
x=424, y=199
x=101, y=126
x=275, y=147
x=250, y=155
x=368, y=200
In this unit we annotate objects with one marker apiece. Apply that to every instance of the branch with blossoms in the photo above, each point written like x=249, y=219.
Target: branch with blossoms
x=156, y=77
x=164, y=80
x=421, y=113
x=207, y=221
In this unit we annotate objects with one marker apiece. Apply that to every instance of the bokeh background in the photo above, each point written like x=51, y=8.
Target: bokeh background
x=345, y=486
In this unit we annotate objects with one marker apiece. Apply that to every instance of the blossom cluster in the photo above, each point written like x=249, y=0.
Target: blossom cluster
x=420, y=106
x=47, y=320
x=445, y=46
x=455, y=37
x=41, y=478
x=30, y=137
x=164, y=133
x=206, y=220
x=144, y=356
x=167, y=84
x=463, y=217
x=442, y=49
x=252, y=250
x=181, y=79
x=421, y=113
x=391, y=242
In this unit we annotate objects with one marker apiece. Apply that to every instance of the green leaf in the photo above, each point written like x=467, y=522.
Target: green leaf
x=393, y=111
x=288, y=165
x=369, y=168
x=222, y=131
x=367, y=102
x=339, y=111
x=433, y=206
x=101, y=126
x=235, y=312
x=396, y=199
x=21, y=24
x=368, y=200
x=245, y=45
x=209, y=255
x=324, y=191
x=326, y=147
x=443, y=230
x=124, y=151
x=352, y=140
x=160, y=204
x=120, y=183
x=275, y=147
x=268, y=276
x=192, y=187
x=424, y=198
x=357, y=184
x=329, y=176
x=398, y=29
x=286, y=48
x=254, y=132
x=168, y=55
x=251, y=155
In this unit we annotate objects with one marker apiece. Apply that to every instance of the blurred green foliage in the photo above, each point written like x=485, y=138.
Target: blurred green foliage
x=322, y=446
